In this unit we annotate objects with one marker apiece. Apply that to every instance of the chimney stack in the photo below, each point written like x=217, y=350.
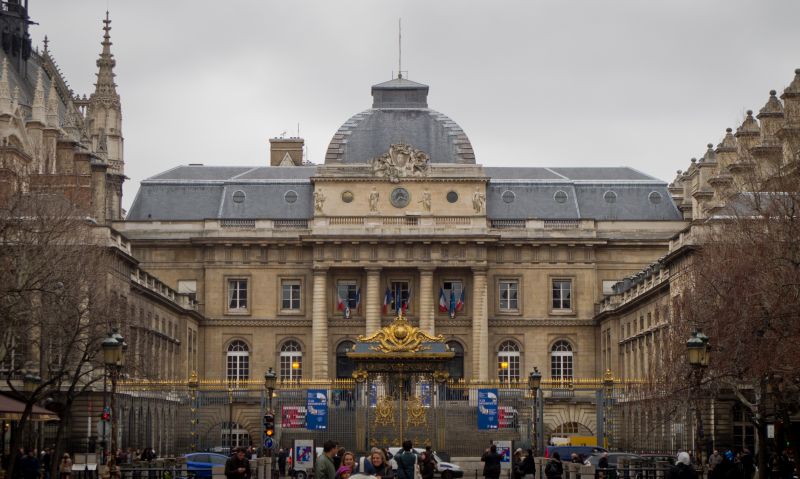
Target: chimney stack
x=286, y=151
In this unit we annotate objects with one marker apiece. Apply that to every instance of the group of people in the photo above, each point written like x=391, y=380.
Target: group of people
x=337, y=463
x=34, y=464
x=521, y=465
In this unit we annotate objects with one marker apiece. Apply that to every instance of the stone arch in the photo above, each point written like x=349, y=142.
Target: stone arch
x=584, y=416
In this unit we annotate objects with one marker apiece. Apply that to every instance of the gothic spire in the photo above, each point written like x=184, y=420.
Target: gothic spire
x=38, y=109
x=105, y=85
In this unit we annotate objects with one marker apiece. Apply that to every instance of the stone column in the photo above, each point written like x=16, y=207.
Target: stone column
x=319, y=325
x=374, y=301
x=426, y=300
x=480, y=326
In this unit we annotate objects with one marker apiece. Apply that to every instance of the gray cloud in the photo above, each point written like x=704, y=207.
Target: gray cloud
x=644, y=84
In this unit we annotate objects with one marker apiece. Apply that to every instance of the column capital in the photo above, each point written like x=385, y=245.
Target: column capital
x=373, y=269
x=480, y=270
x=318, y=270
x=426, y=269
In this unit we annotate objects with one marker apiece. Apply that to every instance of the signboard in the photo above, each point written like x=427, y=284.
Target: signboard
x=316, y=409
x=487, y=409
x=268, y=443
x=303, y=450
x=504, y=449
x=293, y=417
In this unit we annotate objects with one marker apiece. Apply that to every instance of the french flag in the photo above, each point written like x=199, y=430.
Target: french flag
x=387, y=300
x=407, y=303
x=452, y=308
x=460, y=303
x=442, y=301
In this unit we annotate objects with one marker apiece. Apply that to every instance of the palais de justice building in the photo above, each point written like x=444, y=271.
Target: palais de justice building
x=290, y=261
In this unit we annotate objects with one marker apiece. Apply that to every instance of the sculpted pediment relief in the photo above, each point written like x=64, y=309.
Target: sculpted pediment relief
x=401, y=161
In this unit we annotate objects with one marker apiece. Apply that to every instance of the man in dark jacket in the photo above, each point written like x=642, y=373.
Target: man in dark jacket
x=491, y=463
x=406, y=461
x=529, y=464
x=282, y=462
x=237, y=466
x=683, y=468
x=554, y=469
x=30, y=466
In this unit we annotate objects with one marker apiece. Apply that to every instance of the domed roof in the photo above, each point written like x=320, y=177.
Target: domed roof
x=399, y=114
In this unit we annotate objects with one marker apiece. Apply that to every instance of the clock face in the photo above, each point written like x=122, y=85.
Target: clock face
x=400, y=197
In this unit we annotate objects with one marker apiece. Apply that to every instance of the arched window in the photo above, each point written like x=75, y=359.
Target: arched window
x=344, y=365
x=238, y=361
x=561, y=361
x=508, y=361
x=291, y=361
x=455, y=366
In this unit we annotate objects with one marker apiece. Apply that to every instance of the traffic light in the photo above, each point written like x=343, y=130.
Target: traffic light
x=269, y=425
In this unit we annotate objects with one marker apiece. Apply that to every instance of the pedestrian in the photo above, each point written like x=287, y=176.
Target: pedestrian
x=238, y=466
x=406, y=461
x=325, y=468
x=714, y=459
x=529, y=465
x=491, y=463
x=602, y=467
x=683, y=468
x=554, y=469
x=30, y=466
x=516, y=464
x=349, y=460
x=344, y=472
x=65, y=467
x=748, y=464
x=428, y=466
x=46, y=463
x=282, y=462
x=337, y=459
x=380, y=467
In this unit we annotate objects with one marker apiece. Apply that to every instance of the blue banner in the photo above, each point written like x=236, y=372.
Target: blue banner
x=487, y=409
x=425, y=392
x=316, y=409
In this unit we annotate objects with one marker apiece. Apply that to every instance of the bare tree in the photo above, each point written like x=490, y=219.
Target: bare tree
x=741, y=287
x=54, y=303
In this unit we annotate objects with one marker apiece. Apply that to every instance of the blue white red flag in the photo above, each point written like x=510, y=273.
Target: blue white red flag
x=442, y=301
x=387, y=300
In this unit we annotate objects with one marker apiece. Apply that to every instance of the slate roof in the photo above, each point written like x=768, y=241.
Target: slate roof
x=196, y=192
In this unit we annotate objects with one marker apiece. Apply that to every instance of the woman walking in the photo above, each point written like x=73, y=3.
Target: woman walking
x=65, y=467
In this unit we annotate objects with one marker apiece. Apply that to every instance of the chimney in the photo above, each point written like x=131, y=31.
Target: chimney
x=285, y=151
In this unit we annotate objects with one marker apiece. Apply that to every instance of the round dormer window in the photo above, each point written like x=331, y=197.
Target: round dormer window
x=654, y=197
x=508, y=196
x=610, y=197
x=560, y=196
x=290, y=196
x=238, y=196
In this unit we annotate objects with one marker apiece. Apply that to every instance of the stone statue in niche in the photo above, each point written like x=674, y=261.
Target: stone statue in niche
x=401, y=161
x=426, y=200
x=374, y=197
x=319, y=200
x=478, y=200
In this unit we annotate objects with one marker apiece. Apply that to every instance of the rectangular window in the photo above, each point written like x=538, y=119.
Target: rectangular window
x=508, y=295
x=290, y=295
x=562, y=294
x=189, y=288
x=237, y=294
x=347, y=292
x=400, y=292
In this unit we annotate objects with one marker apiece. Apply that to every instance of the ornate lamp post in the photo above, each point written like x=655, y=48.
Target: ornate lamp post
x=114, y=348
x=534, y=383
x=697, y=352
x=193, y=385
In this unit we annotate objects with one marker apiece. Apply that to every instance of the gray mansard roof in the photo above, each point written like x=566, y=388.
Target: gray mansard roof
x=197, y=192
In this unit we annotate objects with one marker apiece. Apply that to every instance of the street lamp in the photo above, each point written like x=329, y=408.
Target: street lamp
x=697, y=352
x=534, y=383
x=114, y=348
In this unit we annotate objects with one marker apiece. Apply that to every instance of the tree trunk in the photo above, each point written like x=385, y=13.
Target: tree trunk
x=60, y=441
x=761, y=432
x=17, y=437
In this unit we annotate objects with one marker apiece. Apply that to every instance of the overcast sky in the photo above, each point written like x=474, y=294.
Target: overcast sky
x=541, y=83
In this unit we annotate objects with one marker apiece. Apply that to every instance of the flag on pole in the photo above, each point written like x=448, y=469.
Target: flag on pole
x=407, y=302
x=460, y=303
x=442, y=301
x=452, y=308
x=387, y=300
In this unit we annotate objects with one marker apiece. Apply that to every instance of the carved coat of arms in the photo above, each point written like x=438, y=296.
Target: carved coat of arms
x=401, y=161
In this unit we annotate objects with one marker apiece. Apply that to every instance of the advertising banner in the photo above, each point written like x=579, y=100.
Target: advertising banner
x=504, y=449
x=293, y=417
x=487, y=409
x=303, y=455
x=317, y=409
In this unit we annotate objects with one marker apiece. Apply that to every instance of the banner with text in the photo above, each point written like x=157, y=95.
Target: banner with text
x=317, y=409
x=487, y=409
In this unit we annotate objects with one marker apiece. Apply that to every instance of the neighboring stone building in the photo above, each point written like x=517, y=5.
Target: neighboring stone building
x=634, y=322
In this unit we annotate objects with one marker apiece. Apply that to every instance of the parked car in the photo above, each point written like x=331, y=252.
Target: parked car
x=566, y=451
x=199, y=464
x=614, y=458
x=444, y=469
x=656, y=458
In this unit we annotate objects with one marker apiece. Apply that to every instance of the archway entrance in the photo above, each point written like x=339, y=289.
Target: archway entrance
x=399, y=370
